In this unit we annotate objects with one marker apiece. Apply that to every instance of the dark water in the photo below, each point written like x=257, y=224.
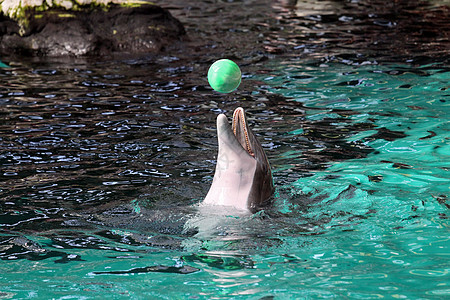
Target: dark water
x=103, y=160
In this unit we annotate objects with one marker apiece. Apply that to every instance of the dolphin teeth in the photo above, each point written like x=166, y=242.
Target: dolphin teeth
x=240, y=120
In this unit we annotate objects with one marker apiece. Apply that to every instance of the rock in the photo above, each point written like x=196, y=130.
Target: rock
x=86, y=30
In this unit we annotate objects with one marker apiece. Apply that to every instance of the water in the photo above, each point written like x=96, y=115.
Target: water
x=102, y=164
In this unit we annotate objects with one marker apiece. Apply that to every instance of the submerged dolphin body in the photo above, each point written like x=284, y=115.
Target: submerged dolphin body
x=243, y=178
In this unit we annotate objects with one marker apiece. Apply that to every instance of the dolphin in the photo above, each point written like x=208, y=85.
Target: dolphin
x=243, y=178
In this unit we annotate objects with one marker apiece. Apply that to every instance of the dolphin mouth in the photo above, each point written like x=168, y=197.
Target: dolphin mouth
x=241, y=131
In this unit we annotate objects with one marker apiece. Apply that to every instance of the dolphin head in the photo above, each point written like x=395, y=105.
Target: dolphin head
x=243, y=178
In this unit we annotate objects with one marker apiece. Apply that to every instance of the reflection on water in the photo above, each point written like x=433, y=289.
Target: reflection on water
x=363, y=31
x=102, y=163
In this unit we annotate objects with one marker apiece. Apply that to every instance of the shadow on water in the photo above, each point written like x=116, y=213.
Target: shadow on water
x=114, y=155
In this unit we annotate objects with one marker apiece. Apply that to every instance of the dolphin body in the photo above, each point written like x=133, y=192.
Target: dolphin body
x=243, y=178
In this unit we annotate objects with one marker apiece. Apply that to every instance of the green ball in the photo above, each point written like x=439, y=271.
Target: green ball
x=224, y=76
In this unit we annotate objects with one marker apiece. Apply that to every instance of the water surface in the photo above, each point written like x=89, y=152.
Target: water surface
x=102, y=164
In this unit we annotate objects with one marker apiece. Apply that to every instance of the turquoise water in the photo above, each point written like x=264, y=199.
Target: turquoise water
x=388, y=232
x=103, y=163
x=360, y=156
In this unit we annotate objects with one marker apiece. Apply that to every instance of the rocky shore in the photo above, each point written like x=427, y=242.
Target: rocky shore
x=85, y=28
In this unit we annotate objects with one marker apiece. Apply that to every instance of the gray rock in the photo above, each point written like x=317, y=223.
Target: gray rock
x=89, y=31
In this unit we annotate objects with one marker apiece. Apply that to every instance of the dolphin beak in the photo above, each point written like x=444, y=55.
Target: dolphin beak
x=239, y=135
